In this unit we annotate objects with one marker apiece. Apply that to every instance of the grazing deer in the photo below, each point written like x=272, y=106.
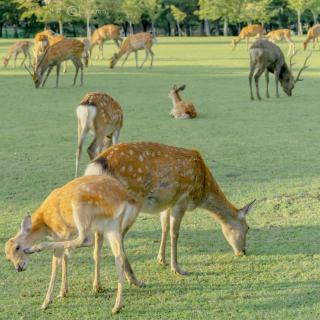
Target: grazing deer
x=172, y=181
x=66, y=49
x=15, y=50
x=139, y=41
x=101, y=114
x=253, y=30
x=282, y=34
x=100, y=35
x=313, y=34
x=85, y=205
x=181, y=109
x=41, y=42
x=267, y=57
x=86, y=52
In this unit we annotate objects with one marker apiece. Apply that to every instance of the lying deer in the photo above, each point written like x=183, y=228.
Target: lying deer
x=267, y=57
x=101, y=114
x=282, y=34
x=172, y=181
x=313, y=34
x=181, y=109
x=253, y=30
x=66, y=49
x=139, y=41
x=82, y=206
x=102, y=34
x=15, y=50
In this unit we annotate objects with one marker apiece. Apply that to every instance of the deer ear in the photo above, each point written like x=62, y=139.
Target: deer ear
x=26, y=225
x=182, y=87
x=246, y=209
x=174, y=87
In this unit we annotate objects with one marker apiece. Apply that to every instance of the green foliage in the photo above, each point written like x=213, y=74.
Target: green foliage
x=178, y=15
x=257, y=11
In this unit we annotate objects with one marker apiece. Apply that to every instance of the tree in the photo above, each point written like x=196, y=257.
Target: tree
x=206, y=12
x=9, y=12
x=133, y=11
x=299, y=6
x=178, y=16
x=314, y=7
x=154, y=10
x=257, y=11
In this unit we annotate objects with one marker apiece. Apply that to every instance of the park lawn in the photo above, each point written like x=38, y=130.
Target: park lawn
x=267, y=150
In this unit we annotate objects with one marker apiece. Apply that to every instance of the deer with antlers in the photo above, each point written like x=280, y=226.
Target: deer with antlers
x=103, y=34
x=172, y=181
x=85, y=205
x=313, y=34
x=66, y=49
x=134, y=43
x=15, y=50
x=253, y=30
x=282, y=34
x=267, y=57
x=181, y=109
x=101, y=114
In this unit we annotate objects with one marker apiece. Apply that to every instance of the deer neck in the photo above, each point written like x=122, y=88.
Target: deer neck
x=175, y=99
x=39, y=229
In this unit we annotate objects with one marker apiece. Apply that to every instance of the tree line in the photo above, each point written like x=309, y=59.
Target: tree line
x=169, y=17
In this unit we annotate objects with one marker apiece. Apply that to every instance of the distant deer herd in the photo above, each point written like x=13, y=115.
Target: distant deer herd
x=124, y=179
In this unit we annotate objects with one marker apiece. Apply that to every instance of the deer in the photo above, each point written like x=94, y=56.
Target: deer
x=282, y=34
x=86, y=205
x=41, y=42
x=15, y=50
x=253, y=30
x=267, y=57
x=101, y=114
x=66, y=49
x=313, y=34
x=181, y=109
x=172, y=180
x=100, y=35
x=139, y=41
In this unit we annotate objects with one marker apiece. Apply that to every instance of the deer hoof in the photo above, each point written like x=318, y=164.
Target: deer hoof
x=178, y=270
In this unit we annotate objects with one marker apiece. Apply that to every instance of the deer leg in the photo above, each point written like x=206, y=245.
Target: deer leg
x=165, y=225
x=23, y=60
x=125, y=59
x=97, y=256
x=116, y=42
x=47, y=76
x=252, y=70
x=76, y=65
x=176, y=216
x=145, y=58
x=267, y=83
x=152, y=56
x=256, y=79
x=64, y=276
x=56, y=259
x=82, y=132
x=64, y=67
x=136, y=58
x=58, y=73
x=115, y=241
x=81, y=74
x=15, y=60
x=247, y=43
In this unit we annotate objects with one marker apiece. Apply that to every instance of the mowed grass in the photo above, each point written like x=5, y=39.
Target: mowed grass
x=267, y=150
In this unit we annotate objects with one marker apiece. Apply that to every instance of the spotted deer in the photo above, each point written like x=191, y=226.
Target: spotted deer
x=101, y=114
x=313, y=34
x=172, y=181
x=181, y=109
x=267, y=57
x=66, y=49
x=139, y=41
x=253, y=30
x=282, y=34
x=15, y=50
x=103, y=34
x=85, y=205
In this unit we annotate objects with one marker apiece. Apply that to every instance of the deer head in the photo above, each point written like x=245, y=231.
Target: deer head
x=5, y=61
x=113, y=60
x=36, y=76
x=174, y=92
x=15, y=247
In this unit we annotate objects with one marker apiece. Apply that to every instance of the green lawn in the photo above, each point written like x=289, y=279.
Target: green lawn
x=267, y=150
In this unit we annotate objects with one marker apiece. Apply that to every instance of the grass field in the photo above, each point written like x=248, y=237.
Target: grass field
x=267, y=150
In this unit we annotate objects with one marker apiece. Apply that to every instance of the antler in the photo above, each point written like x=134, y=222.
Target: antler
x=291, y=64
x=304, y=67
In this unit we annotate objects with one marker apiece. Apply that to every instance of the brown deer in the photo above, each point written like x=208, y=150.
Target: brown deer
x=101, y=114
x=267, y=57
x=66, y=49
x=253, y=30
x=88, y=204
x=139, y=41
x=313, y=34
x=15, y=50
x=103, y=34
x=172, y=181
x=181, y=109
x=282, y=34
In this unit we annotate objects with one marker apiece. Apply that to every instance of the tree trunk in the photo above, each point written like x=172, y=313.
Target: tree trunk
x=179, y=30
x=153, y=28
x=315, y=17
x=88, y=27
x=299, y=23
x=60, y=27
x=225, y=27
x=216, y=32
x=131, y=27
x=74, y=29
x=15, y=31
x=1, y=25
x=207, y=27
